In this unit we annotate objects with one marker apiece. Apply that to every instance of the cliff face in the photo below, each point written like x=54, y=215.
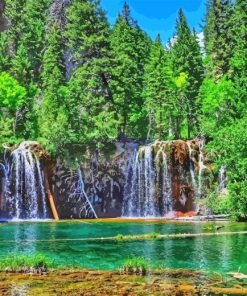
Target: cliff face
x=153, y=180
x=158, y=180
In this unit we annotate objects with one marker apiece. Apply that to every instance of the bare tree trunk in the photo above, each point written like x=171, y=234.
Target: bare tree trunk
x=51, y=198
x=161, y=125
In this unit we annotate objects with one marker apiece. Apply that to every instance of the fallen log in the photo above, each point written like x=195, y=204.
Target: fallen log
x=51, y=199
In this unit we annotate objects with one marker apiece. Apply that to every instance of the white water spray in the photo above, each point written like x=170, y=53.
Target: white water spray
x=147, y=191
x=24, y=191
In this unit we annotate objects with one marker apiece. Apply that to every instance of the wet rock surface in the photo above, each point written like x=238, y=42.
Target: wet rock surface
x=131, y=180
x=92, y=282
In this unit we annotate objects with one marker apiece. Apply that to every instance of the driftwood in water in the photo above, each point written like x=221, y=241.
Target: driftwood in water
x=51, y=198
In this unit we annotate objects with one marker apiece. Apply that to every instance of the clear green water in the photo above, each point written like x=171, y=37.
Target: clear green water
x=214, y=253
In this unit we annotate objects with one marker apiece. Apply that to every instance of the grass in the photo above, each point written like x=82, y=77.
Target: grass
x=26, y=264
x=151, y=235
x=135, y=265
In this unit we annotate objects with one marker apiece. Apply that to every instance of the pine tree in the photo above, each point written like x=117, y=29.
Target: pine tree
x=14, y=13
x=157, y=90
x=52, y=105
x=238, y=61
x=32, y=40
x=186, y=58
x=130, y=49
x=218, y=44
x=90, y=98
x=4, y=57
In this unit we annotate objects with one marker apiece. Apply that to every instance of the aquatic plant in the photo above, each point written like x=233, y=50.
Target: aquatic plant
x=135, y=265
x=38, y=264
x=151, y=235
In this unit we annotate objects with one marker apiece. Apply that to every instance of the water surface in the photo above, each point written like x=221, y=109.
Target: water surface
x=55, y=239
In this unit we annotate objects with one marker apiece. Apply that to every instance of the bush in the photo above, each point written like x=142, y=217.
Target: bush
x=136, y=265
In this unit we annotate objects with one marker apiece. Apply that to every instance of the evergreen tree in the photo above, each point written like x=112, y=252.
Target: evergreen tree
x=130, y=49
x=4, y=57
x=218, y=43
x=53, y=108
x=186, y=58
x=238, y=61
x=89, y=98
x=32, y=41
x=14, y=13
x=157, y=90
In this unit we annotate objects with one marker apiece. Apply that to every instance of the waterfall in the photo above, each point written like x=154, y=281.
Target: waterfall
x=201, y=165
x=147, y=190
x=192, y=167
x=222, y=179
x=23, y=189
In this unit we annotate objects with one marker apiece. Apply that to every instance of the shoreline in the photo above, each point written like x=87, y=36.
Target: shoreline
x=102, y=282
x=194, y=219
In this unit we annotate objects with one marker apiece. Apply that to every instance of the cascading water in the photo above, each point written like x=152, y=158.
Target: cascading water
x=147, y=191
x=192, y=167
x=222, y=179
x=23, y=184
x=202, y=167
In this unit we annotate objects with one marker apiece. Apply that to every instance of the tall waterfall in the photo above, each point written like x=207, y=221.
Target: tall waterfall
x=202, y=167
x=163, y=178
x=23, y=184
x=148, y=191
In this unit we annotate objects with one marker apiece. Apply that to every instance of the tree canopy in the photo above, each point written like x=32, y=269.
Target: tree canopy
x=68, y=79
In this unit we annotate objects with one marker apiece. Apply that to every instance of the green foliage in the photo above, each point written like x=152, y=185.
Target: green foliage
x=217, y=102
x=186, y=59
x=53, y=107
x=130, y=48
x=217, y=203
x=217, y=33
x=37, y=263
x=230, y=148
x=12, y=95
x=88, y=98
x=148, y=236
x=135, y=265
x=157, y=91
x=71, y=82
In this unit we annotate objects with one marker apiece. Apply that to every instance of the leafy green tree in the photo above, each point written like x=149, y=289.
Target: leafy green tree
x=186, y=58
x=12, y=97
x=217, y=107
x=229, y=149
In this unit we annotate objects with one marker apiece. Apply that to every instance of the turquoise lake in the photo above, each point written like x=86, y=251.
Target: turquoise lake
x=219, y=253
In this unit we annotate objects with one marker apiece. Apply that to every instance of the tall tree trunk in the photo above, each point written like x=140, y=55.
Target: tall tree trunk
x=160, y=123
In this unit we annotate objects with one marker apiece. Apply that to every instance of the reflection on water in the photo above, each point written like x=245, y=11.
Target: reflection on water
x=214, y=253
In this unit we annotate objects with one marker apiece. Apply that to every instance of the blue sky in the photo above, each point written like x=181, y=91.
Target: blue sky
x=158, y=16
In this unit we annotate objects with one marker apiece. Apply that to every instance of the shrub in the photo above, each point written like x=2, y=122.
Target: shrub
x=136, y=265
